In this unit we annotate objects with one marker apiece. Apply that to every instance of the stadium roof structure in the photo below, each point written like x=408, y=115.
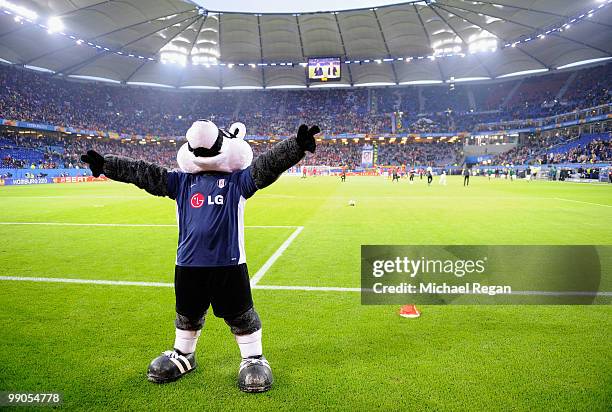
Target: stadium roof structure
x=184, y=45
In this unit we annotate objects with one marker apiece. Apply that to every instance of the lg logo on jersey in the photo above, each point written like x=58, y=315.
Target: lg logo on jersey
x=198, y=200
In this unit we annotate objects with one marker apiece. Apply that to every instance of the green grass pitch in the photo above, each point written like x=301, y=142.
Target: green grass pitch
x=93, y=342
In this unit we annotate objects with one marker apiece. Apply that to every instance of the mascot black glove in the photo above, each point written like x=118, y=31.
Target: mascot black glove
x=95, y=161
x=305, y=138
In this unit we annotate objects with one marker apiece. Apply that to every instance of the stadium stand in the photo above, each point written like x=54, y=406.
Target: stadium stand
x=30, y=151
x=587, y=148
x=17, y=151
x=37, y=97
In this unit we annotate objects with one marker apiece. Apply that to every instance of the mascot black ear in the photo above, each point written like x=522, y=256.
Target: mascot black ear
x=238, y=130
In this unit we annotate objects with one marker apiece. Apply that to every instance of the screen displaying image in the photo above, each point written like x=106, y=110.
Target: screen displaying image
x=324, y=69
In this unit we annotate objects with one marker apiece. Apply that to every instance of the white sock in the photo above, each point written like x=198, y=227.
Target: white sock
x=250, y=345
x=186, y=340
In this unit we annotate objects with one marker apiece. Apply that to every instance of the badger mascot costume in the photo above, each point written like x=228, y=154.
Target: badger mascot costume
x=210, y=190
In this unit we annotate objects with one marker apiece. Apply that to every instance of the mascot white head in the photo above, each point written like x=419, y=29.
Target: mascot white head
x=209, y=149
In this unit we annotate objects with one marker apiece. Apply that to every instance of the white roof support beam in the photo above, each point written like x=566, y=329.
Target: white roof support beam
x=346, y=57
x=489, y=73
x=384, y=39
x=505, y=40
x=416, y=10
x=104, y=35
x=70, y=69
x=535, y=29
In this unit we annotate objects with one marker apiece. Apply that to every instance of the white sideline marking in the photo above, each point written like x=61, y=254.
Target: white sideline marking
x=88, y=281
x=308, y=288
x=77, y=197
x=580, y=201
x=163, y=284
x=126, y=225
x=563, y=293
x=267, y=287
x=262, y=270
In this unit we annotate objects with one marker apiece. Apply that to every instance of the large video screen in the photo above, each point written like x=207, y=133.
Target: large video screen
x=322, y=69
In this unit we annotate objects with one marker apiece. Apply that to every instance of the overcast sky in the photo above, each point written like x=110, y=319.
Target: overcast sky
x=284, y=6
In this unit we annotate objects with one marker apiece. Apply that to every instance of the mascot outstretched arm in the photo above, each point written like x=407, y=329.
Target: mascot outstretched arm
x=153, y=178
x=211, y=189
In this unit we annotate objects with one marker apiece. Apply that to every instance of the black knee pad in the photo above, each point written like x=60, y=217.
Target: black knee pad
x=185, y=323
x=245, y=323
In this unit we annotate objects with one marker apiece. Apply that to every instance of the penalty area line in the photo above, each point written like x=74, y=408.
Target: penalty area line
x=262, y=270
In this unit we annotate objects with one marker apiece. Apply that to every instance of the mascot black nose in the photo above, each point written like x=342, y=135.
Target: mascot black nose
x=205, y=152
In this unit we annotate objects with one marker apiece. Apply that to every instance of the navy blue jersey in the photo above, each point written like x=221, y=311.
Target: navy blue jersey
x=210, y=214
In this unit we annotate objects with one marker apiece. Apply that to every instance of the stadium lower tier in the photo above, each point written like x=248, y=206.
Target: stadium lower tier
x=28, y=149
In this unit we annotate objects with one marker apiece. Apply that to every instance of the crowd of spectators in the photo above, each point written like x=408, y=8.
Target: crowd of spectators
x=64, y=152
x=41, y=97
x=423, y=154
x=519, y=155
x=335, y=154
x=529, y=149
x=543, y=95
x=26, y=151
x=538, y=151
x=590, y=88
x=32, y=151
x=595, y=151
x=348, y=153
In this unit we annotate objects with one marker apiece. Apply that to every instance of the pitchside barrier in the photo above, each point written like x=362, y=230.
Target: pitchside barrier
x=572, y=172
x=29, y=173
x=22, y=177
x=50, y=180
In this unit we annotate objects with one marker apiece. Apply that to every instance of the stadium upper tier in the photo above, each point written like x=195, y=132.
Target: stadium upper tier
x=30, y=96
x=180, y=44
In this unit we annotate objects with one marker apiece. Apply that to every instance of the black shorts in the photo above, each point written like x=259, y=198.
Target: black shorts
x=226, y=288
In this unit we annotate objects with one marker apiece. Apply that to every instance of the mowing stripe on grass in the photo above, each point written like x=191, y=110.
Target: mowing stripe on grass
x=265, y=287
x=580, y=201
x=262, y=270
x=128, y=225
